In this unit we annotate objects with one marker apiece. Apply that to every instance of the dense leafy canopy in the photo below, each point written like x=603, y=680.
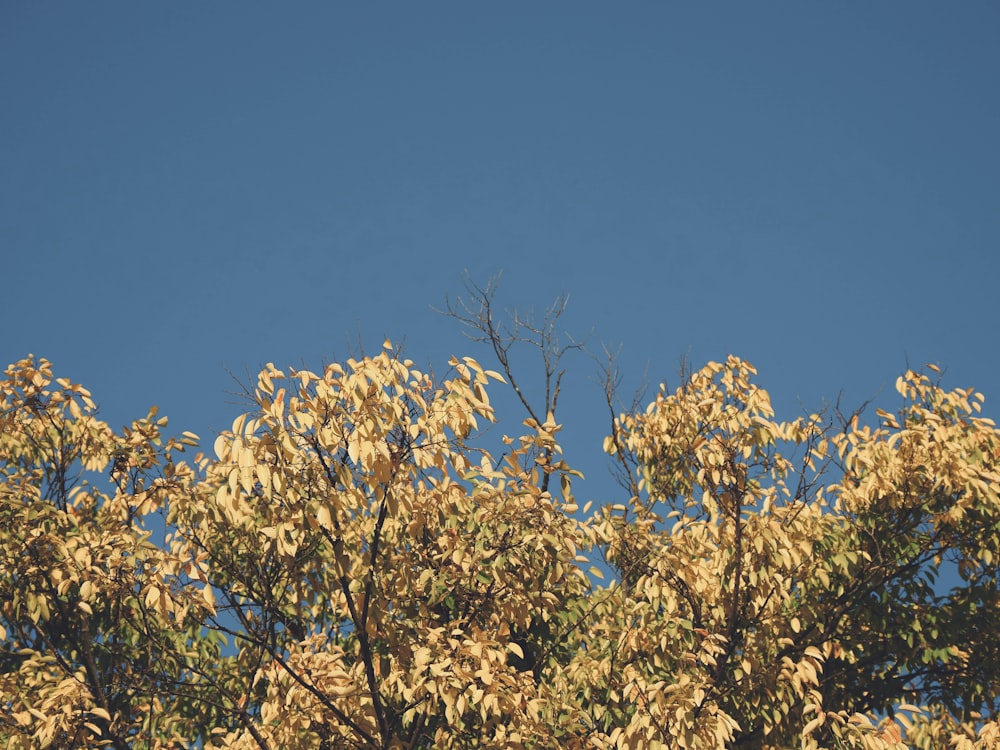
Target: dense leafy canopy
x=349, y=567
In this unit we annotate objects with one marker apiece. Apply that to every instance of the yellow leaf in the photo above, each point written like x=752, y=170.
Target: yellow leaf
x=814, y=652
x=221, y=447
x=264, y=477
x=343, y=690
x=324, y=518
x=421, y=657
x=809, y=727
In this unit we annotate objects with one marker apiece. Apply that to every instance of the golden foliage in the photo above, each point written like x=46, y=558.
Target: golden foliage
x=348, y=568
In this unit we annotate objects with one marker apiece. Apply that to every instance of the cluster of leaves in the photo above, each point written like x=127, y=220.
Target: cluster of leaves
x=351, y=569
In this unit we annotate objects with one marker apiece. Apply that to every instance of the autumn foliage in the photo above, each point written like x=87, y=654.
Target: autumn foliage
x=348, y=566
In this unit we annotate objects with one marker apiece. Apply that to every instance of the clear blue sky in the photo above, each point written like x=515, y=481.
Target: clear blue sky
x=187, y=188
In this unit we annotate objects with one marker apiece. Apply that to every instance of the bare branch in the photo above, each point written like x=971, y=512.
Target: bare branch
x=477, y=313
x=610, y=379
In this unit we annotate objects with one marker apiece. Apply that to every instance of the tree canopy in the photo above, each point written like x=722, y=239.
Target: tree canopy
x=349, y=566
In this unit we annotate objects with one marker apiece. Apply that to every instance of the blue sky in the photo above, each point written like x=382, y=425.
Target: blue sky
x=187, y=189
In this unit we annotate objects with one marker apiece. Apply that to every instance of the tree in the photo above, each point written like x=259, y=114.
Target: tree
x=101, y=630
x=796, y=612
x=351, y=567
